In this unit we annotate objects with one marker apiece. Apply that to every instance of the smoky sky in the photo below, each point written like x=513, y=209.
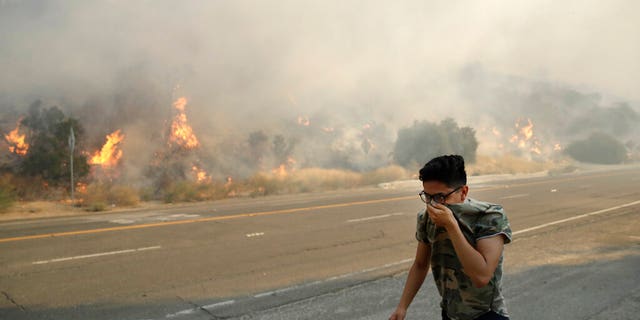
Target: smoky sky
x=302, y=48
x=260, y=65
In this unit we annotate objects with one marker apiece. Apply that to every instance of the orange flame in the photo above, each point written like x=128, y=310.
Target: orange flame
x=110, y=153
x=81, y=187
x=17, y=141
x=303, y=121
x=201, y=175
x=181, y=132
x=525, y=139
x=524, y=134
x=527, y=131
x=557, y=147
x=281, y=171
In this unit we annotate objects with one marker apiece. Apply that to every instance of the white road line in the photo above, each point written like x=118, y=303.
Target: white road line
x=576, y=217
x=179, y=216
x=376, y=217
x=194, y=310
x=97, y=255
x=184, y=215
x=269, y=293
x=255, y=234
x=122, y=221
x=516, y=196
x=219, y=304
x=181, y=313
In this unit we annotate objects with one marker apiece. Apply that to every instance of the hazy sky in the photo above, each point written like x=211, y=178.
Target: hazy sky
x=294, y=47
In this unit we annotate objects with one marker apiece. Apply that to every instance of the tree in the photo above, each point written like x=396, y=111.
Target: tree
x=258, y=147
x=426, y=140
x=282, y=149
x=48, y=155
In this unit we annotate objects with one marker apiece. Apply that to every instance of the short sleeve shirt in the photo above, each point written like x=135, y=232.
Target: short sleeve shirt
x=477, y=220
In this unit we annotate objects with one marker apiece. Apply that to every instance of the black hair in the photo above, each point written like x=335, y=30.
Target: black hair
x=446, y=169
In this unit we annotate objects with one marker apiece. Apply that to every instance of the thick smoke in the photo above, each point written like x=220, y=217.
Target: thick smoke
x=326, y=83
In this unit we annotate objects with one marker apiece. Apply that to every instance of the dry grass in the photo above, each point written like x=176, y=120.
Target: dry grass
x=6, y=200
x=386, y=174
x=317, y=179
x=7, y=193
x=190, y=191
x=508, y=164
x=101, y=196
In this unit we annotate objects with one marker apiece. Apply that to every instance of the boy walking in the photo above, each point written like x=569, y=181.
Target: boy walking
x=461, y=239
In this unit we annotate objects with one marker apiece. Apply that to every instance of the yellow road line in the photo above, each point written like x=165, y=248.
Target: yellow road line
x=218, y=218
x=266, y=213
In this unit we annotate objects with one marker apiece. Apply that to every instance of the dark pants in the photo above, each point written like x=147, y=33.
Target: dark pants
x=487, y=316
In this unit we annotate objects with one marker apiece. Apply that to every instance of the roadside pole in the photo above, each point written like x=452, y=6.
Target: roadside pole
x=72, y=144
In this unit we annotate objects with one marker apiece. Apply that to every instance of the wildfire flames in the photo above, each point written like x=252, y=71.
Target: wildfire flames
x=81, y=187
x=110, y=153
x=281, y=171
x=200, y=174
x=17, y=141
x=303, y=121
x=524, y=135
x=181, y=132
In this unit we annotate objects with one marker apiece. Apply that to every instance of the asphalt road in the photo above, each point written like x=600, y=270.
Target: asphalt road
x=335, y=255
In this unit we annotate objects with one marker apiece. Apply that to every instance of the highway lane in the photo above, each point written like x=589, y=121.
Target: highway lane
x=162, y=269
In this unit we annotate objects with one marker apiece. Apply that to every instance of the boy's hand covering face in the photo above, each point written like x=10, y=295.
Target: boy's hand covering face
x=441, y=215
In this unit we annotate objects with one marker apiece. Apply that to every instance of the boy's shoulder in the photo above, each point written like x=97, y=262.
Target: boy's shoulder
x=473, y=206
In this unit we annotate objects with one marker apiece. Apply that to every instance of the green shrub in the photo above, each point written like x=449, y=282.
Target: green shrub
x=7, y=197
x=599, y=148
x=426, y=140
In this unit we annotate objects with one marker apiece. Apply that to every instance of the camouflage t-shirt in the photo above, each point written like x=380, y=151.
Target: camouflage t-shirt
x=460, y=299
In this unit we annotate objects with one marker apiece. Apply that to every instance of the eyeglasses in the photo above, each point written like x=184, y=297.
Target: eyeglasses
x=438, y=197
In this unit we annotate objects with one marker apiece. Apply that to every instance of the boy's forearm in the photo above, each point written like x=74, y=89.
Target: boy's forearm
x=416, y=277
